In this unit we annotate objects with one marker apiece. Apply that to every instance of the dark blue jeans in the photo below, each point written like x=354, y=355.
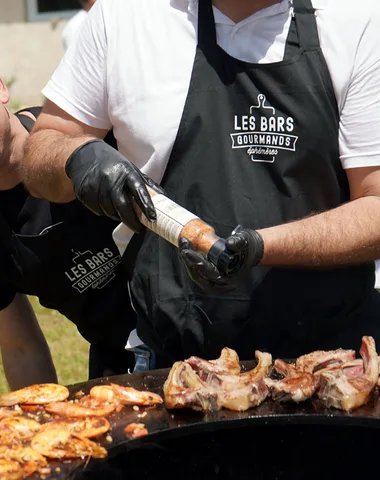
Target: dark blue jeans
x=145, y=359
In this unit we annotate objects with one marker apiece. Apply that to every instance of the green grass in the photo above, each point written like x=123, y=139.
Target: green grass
x=68, y=348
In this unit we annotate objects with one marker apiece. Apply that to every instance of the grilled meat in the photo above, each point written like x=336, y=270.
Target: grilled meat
x=241, y=392
x=296, y=385
x=343, y=388
x=339, y=379
x=184, y=389
x=318, y=360
x=352, y=368
x=226, y=364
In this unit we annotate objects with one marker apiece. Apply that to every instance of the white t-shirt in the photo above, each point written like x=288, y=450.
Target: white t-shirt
x=377, y=274
x=131, y=65
x=71, y=28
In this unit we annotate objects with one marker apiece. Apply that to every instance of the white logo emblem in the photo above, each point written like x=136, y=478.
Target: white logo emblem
x=93, y=270
x=263, y=132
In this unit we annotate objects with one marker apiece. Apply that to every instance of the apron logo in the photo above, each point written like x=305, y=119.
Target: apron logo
x=263, y=132
x=93, y=270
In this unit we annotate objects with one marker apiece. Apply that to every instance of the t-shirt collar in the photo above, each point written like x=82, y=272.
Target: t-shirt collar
x=223, y=19
x=275, y=9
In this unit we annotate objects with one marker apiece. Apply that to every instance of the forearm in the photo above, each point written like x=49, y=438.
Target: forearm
x=347, y=235
x=43, y=168
x=27, y=366
x=25, y=352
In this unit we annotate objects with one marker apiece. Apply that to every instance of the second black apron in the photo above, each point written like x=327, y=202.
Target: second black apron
x=65, y=255
x=257, y=146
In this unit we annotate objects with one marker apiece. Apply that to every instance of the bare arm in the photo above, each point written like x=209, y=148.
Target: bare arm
x=54, y=137
x=16, y=137
x=347, y=235
x=25, y=353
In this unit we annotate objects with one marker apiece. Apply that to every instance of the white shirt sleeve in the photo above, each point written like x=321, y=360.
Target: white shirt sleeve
x=359, y=134
x=71, y=28
x=78, y=85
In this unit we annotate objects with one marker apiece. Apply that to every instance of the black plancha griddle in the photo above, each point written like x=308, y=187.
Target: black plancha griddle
x=176, y=427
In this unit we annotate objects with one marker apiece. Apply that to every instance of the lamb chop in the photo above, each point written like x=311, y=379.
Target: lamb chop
x=226, y=364
x=296, y=385
x=241, y=392
x=351, y=369
x=318, y=360
x=343, y=389
x=184, y=389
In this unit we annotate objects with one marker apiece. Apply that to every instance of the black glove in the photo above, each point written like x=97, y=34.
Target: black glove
x=248, y=244
x=105, y=182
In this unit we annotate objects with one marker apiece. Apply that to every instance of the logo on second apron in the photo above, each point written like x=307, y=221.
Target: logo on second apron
x=93, y=270
x=263, y=132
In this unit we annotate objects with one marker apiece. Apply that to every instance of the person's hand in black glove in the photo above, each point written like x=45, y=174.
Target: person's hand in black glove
x=248, y=244
x=105, y=182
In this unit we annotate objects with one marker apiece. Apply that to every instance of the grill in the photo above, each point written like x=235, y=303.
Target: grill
x=273, y=441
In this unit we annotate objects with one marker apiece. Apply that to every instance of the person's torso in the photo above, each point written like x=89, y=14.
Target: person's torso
x=65, y=255
x=248, y=152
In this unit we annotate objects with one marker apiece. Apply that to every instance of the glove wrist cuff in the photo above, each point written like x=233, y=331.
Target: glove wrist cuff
x=258, y=247
x=81, y=152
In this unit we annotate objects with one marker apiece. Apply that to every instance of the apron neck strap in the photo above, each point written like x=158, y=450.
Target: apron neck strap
x=26, y=122
x=206, y=24
x=307, y=31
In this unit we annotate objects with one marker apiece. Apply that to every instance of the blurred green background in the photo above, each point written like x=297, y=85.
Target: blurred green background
x=68, y=348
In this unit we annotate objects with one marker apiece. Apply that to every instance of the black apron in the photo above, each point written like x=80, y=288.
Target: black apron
x=257, y=146
x=65, y=255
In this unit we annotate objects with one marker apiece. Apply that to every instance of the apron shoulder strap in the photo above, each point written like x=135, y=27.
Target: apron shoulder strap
x=206, y=25
x=26, y=122
x=306, y=23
